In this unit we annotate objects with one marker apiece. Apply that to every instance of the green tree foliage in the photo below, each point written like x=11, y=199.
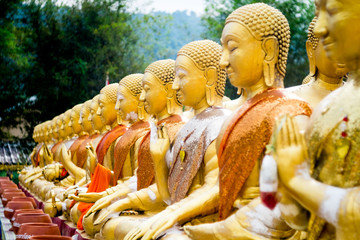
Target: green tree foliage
x=299, y=14
x=53, y=57
x=161, y=34
x=59, y=55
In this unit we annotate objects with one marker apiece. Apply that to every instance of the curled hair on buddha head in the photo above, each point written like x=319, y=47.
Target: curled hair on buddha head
x=205, y=54
x=76, y=109
x=66, y=116
x=264, y=21
x=133, y=83
x=311, y=45
x=164, y=71
x=110, y=91
x=311, y=36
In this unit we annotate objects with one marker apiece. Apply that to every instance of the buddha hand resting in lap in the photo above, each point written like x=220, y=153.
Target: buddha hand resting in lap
x=160, y=101
x=186, y=172
x=260, y=33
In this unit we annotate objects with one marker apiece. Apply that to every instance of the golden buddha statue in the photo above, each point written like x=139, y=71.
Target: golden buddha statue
x=260, y=33
x=107, y=101
x=332, y=138
x=34, y=169
x=160, y=101
x=234, y=104
x=125, y=160
x=112, y=124
x=325, y=75
x=183, y=173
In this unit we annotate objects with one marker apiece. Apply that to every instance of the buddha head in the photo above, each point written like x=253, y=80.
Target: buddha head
x=34, y=135
x=47, y=129
x=54, y=129
x=38, y=132
x=199, y=80
x=84, y=117
x=256, y=40
x=94, y=118
x=128, y=95
x=66, y=123
x=159, y=98
x=107, y=101
x=60, y=129
x=338, y=28
x=320, y=64
x=74, y=119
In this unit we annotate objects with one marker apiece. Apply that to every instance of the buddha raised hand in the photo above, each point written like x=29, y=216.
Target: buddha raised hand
x=186, y=173
x=124, y=161
x=332, y=137
x=160, y=101
x=325, y=74
x=260, y=33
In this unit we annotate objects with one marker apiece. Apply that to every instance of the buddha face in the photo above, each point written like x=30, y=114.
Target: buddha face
x=327, y=66
x=54, y=131
x=84, y=120
x=153, y=95
x=189, y=82
x=338, y=27
x=66, y=124
x=74, y=122
x=93, y=117
x=106, y=110
x=242, y=56
x=60, y=128
x=126, y=104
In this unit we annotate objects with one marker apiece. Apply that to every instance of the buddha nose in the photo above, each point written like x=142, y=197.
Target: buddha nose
x=98, y=112
x=142, y=96
x=320, y=29
x=224, y=60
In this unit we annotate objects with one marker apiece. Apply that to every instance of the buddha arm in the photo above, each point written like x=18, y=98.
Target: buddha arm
x=203, y=200
x=75, y=171
x=293, y=171
x=349, y=217
x=161, y=177
x=144, y=200
x=319, y=198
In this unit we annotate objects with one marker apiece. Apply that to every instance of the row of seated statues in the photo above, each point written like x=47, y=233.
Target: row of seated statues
x=164, y=155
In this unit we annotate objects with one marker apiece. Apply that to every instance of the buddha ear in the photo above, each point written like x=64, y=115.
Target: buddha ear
x=211, y=79
x=270, y=46
x=141, y=114
x=311, y=55
x=170, y=99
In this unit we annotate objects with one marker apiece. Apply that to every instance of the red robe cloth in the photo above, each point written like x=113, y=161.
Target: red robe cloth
x=98, y=184
x=246, y=137
x=107, y=140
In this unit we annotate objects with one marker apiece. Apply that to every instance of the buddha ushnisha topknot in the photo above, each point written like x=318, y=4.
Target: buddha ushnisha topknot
x=110, y=91
x=263, y=21
x=133, y=82
x=206, y=53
